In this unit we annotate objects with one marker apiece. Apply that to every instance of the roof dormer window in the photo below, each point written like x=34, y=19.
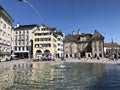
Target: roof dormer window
x=43, y=29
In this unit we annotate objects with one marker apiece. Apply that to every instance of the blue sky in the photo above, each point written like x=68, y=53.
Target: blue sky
x=69, y=15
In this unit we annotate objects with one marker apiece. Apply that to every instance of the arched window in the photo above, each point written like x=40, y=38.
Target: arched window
x=46, y=53
x=100, y=55
x=95, y=55
x=38, y=52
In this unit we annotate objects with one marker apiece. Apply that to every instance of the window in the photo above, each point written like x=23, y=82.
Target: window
x=15, y=48
x=5, y=34
x=42, y=45
x=27, y=37
x=95, y=48
x=8, y=42
x=0, y=31
x=27, y=48
x=36, y=45
x=23, y=48
x=21, y=37
x=100, y=55
x=1, y=22
x=15, y=42
x=23, y=32
x=95, y=45
x=35, y=39
x=19, y=32
x=0, y=40
x=100, y=42
x=8, y=34
x=59, y=39
x=66, y=55
x=42, y=34
x=27, y=43
x=19, y=48
x=54, y=46
x=15, y=37
x=8, y=28
x=4, y=26
x=19, y=43
x=100, y=48
x=48, y=45
x=4, y=41
x=23, y=42
x=42, y=39
x=43, y=29
x=54, y=40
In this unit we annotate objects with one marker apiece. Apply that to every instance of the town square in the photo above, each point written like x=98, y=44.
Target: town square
x=37, y=52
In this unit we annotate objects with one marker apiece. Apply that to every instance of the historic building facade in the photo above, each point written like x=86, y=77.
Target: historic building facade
x=112, y=49
x=44, y=42
x=84, y=45
x=97, y=41
x=60, y=38
x=22, y=40
x=5, y=35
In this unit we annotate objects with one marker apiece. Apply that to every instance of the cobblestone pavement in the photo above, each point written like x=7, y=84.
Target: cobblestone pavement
x=95, y=60
x=101, y=60
x=83, y=60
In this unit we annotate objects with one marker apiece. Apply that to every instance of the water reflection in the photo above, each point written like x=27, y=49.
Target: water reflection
x=110, y=80
x=78, y=76
x=47, y=76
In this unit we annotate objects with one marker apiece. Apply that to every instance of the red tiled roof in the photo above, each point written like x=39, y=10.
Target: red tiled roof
x=97, y=35
x=72, y=38
x=111, y=45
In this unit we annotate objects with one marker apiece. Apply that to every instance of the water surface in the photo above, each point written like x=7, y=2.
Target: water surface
x=54, y=76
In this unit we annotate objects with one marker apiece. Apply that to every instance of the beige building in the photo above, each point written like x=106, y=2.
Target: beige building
x=83, y=45
x=44, y=42
x=111, y=49
x=5, y=35
x=97, y=41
